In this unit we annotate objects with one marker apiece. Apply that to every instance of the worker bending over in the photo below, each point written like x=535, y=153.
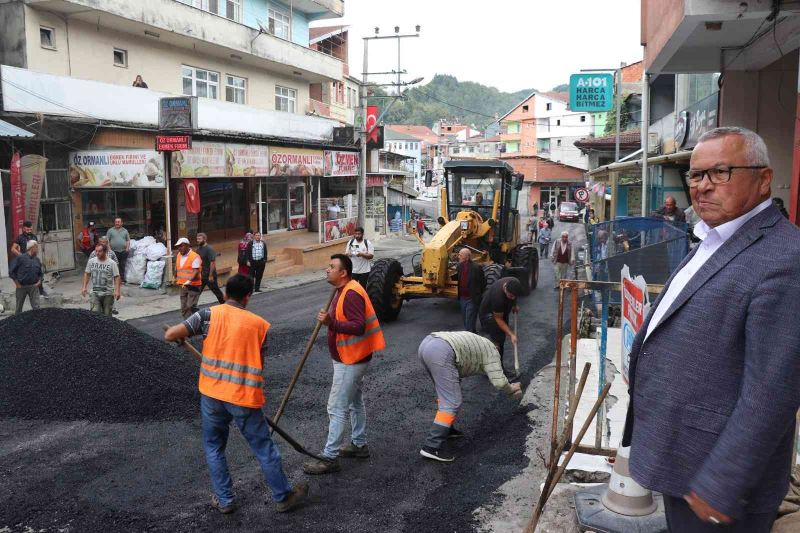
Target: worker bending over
x=449, y=356
x=232, y=389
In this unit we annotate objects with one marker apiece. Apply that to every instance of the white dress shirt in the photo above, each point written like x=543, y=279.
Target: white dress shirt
x=712, y=239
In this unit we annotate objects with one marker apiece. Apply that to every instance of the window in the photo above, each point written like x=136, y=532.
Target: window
x=558, y=142
x=279, y=23
x=231, y=9
x=583, y=118
x=47, y=36
x=120, y=57
x=549, y=106
x=558, y=122
x=199, y=82
x=338, y=92
x=285, y=99
x=235, y=89
x=525, y=109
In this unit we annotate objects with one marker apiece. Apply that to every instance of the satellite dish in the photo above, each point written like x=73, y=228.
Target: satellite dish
x=262, y=27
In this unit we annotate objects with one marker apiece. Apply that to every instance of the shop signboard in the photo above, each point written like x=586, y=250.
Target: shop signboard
x=340, y=228
x=177, y=113
x=116, y=169
x=295, y=162
x=635, y=307
x=32, y=171
x=17, y=196
x=591, y=92
x=695, y=120
x=173, y=143
x=375, y=181
x=220, y=160
x=339, y=163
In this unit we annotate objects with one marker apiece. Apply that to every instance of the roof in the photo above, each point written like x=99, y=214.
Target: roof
x=479, y=163
x=422, y=133
x=539, y=169
x=562, y=96
x=10, y=130
x=316, y=35
x=627, y=139
x=393, y=135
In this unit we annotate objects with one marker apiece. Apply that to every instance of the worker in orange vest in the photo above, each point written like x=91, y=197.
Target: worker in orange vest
x=354, y=334
x=187, y=275
x=232, y=389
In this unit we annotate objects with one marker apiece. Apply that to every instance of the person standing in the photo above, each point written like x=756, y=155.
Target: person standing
x=87, y=239
x=562, y=256
x=361, y=252
x=669, y=211
x=471, y=284
x=109, y=252
x=232, y=390
x=104, y=274
x=354, y=334
x=187, y=275
x=26, y=271
x=498, y=302
x=119, y=241
x=545, y=236
x=139, y=82
x=714, y=372
x=241, y=258
x=20, y=245
x=257, y=259
x=532, y=227
x=208, y=269
x=448, y=356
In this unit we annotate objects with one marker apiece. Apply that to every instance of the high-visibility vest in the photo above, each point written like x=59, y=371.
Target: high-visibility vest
x=185, y=271
x=354, y=348
x=231, y=367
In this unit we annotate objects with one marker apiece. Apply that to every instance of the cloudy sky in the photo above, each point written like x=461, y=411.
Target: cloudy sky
x=509, y=44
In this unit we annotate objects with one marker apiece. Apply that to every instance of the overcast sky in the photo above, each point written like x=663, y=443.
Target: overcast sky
x=508, y=44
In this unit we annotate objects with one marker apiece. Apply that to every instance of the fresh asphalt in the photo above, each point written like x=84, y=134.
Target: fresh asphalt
x=152, y=476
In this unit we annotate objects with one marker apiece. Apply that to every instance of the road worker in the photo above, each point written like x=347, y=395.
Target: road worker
x=188, y=266
x=354, y=334
x=232, y=389
x=449, y=356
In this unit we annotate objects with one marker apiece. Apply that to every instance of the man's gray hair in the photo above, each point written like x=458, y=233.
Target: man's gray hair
x=755, y=148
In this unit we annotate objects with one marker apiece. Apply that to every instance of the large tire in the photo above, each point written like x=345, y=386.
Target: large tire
x=383, y=277
x=492, y=273
x=526, y=258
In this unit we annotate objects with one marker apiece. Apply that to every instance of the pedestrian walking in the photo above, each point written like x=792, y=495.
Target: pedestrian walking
x=208, y=268
x=360, y=251
x=104, y=275
x=20, y=244
x=563, y=257
x=27, y=273
x=119, y=241
x=448, y=356
x=471, y=284
x=110, y=253
x=241, y=258
x=87, y=239
x=354, y=334
x=545, y=236
x=714, y=373
x=257, y=259
x=499, y=301
x=532, y=228
x=232, y=390
x=188, y=266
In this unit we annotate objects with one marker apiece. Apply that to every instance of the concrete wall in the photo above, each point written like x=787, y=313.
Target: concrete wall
x=12, y=37
x=660, y=19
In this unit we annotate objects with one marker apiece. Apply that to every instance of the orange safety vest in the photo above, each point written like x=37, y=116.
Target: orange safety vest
x=231, y=366
x=185, y=272
x=354, y=348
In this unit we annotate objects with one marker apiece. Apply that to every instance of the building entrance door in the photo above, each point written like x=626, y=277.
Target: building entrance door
x=55, y=224
x=275, y=217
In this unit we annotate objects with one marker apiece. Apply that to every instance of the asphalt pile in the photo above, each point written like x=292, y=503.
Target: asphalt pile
x=70, y=364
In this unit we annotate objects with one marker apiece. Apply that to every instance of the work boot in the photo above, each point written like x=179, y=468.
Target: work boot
x=436, y=455
x=298, y=496
x=317, y=467
x=226, y=509
x=455, y=434
x=353, y=451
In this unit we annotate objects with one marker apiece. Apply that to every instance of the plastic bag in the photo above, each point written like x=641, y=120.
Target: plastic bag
x=135, y=269
x=139, y=247
x=155, y=251
x=153, y=276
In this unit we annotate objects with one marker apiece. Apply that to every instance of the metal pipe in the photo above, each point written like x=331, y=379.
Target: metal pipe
x=618, y=98
x=362, y=177
x=644, y=139
x=601, y=381
x=557, y=386
x=573, y=347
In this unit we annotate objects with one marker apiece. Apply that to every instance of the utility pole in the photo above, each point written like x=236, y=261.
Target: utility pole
x=645, y=138
x=619, y=110
x=363, y=93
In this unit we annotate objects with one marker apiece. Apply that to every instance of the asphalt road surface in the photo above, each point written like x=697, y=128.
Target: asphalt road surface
x=81, y=476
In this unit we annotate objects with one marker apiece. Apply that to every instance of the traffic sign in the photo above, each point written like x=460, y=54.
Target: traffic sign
x=591, y=92
x=582, y=195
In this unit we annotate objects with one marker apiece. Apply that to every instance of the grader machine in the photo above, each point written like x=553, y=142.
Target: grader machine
x=478, y=212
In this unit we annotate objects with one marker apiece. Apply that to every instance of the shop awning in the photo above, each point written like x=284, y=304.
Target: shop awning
x=10, y=130
x=677, y=157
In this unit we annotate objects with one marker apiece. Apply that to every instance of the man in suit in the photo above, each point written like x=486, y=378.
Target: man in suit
x=471, y=284
x=714, y=370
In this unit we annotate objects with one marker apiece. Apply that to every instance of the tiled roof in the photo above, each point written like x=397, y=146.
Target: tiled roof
x=422, y=133
x=316, y=33
x=628, y=139
x=564, y=97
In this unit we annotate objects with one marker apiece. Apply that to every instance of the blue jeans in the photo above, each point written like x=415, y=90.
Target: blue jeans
x=217, y=416
x=469, y=312
x=346, y=397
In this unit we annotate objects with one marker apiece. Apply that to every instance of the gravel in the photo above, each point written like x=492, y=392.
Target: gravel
x=69, y=364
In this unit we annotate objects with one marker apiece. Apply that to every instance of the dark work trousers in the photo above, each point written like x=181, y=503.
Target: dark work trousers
x=122, y=258
x=469, y=312
x=211, y=283
x=681, y=518
x=495, y=334
x=257, y=272
x=362, y=278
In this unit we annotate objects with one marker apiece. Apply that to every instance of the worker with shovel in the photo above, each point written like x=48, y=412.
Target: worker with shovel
x=232, y=389
x=449, y=356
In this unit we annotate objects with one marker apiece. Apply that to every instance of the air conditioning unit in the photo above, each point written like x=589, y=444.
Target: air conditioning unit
x=344, y=135
x=653, y=143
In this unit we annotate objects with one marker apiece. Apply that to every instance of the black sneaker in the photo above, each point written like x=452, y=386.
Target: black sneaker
x=436, y=455
x=455, y=434
x=226, y=509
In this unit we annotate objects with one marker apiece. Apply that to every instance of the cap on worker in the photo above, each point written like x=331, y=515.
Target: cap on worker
x=91, y=223
x=31, y=244
x=182, y=240
x=514, y=287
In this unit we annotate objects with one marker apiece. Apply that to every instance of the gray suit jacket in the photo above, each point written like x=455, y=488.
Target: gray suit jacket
x=715, y=388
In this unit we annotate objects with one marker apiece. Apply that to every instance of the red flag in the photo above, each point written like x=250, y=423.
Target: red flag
x=192, y=190
x=372, y=122
x=17, y=196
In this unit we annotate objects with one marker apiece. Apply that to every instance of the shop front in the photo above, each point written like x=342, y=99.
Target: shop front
x=284, y=195
x=336, y=209
x=377, y=209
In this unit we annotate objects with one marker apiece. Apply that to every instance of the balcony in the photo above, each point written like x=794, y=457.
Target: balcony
x=175, y=24
x=334, y=111
x=510, y=137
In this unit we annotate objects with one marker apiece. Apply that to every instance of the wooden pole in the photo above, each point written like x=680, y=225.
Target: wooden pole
x=557, y=387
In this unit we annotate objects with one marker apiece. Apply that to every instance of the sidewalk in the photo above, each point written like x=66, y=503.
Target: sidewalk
x=137, y=302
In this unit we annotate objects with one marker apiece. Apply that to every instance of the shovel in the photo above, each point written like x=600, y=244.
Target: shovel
x=516, y=349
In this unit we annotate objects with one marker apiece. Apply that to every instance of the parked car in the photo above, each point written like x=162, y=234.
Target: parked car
x=568, y=211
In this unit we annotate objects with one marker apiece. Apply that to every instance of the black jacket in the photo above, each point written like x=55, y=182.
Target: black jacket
x=476, y=282
x=250, y=253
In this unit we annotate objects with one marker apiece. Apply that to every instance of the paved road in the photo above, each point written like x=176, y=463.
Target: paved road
x=153, y=476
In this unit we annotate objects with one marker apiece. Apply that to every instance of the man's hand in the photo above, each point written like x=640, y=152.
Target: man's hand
x=516, y=389
x=513, y=339
x=83, y=292
x=704, y=511
x=117, y=294
x=515, y=309
x=18, y=284
x=39, y=283
x=324, y=317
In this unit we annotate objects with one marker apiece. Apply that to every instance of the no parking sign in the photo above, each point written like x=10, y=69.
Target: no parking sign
x=581, y=195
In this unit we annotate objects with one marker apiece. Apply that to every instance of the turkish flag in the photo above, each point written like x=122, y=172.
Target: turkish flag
x=372, y=120
x=192, y=190
x=17, y=196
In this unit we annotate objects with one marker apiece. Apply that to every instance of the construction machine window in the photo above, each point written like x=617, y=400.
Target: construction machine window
x=471, y=191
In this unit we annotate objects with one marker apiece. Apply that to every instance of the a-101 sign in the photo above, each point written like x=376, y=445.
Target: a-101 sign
x=591, y=92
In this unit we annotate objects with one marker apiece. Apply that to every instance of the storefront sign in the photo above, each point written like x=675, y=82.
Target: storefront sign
x=17, y=197
x=173, y=143
x=32, y=171
x=341, y=163
x=375, y=181
x=695, y=120
x=339, y=228
x=634, y=308
x=177, y=113
x=220, y=160
x=295, y=162
x=116, y=169
x=591, y=92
